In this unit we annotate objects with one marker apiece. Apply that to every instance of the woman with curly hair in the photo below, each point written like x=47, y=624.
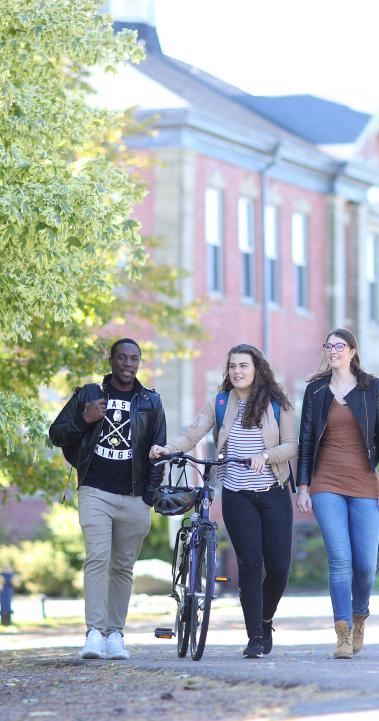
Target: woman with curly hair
x=338, y=454
x=258, y=423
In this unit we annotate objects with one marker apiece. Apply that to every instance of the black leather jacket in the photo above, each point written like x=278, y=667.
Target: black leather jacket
x=78, y=439
x=364, y=405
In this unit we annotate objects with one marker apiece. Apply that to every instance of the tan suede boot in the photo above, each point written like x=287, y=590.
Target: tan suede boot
x=344, y=648
x=358, y=631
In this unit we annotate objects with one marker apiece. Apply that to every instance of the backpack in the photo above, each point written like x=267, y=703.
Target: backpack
x=220, y=408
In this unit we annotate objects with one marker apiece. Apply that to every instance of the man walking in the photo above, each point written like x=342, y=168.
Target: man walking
x=105, y=431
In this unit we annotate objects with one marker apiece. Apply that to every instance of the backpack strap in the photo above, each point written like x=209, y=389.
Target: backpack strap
x=276, y=408
x=220, y=408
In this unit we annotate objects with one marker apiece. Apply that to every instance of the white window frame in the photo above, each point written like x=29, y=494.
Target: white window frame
x=300, y=253
x=247, y=244
x=214, y=232
x=372, y=275
x=272, y=244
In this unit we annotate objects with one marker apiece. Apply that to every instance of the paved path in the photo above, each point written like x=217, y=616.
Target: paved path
x=302, y=656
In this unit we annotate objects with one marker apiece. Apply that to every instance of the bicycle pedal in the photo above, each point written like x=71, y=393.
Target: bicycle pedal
x=222, y=579
x=164, y=633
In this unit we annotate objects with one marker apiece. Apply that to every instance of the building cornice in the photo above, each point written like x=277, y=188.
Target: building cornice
x=300, y=163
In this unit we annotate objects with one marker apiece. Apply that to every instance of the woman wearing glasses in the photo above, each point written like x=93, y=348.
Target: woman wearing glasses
x=338, y=453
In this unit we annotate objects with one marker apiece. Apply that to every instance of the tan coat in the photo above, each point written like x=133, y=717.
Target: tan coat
x=279, y=450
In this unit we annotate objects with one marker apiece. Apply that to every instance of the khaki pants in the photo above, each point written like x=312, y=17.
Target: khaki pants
x=113, y=527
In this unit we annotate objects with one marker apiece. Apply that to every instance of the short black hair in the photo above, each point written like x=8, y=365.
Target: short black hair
x=124, y=340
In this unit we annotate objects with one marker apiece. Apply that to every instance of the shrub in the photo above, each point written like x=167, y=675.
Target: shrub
x=156, y=543
x=40, y=568
x=309, y=561
x=64, y=532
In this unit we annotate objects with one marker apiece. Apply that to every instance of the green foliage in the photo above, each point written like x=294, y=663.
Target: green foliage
x=40, y=568
x=64, y=532
x=59, y=204
x=72, y=258
x=156, y=543
x=53, y=564
x=309, y=561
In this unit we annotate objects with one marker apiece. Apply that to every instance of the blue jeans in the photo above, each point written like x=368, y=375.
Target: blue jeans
x=350, y=529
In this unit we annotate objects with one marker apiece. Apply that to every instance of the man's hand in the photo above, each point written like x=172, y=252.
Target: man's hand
x=95, y=411
x=157, y=452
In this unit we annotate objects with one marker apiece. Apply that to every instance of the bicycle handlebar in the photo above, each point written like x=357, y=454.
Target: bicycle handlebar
x=179, y=456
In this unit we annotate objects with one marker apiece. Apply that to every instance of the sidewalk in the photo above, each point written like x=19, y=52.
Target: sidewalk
x=301, y=621
x=291, y=606
x=301, y=670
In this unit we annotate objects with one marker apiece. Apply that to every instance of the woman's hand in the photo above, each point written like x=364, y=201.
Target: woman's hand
x=158, y=452
x=304, y=501
x=258, y=463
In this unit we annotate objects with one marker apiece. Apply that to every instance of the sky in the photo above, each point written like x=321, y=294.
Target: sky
x=327, y=48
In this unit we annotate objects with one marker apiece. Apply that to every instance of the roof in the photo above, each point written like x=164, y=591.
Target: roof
x=201, y=91
x=200, y=112
x=314, y=119
x=306, y=117
x=317, y=120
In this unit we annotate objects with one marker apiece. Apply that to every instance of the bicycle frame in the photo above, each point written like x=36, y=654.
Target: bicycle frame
x=197, y=564
x=202, y=509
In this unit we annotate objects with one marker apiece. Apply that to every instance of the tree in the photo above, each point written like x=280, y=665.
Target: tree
x=67, y=235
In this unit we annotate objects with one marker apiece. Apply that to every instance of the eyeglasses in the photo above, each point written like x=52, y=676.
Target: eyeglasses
x=339, y=347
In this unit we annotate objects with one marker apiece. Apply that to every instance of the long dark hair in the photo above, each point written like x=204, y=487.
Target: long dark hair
x=264, y=387
x=363, y=378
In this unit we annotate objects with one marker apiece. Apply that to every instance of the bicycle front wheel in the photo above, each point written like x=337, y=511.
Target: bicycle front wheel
x=180, y=570
x=204, y=589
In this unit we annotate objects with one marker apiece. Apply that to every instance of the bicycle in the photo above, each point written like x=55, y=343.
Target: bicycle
x=194, y=560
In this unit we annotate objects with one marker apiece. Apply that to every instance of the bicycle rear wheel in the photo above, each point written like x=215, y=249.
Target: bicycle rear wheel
x=180, y=574
x=204, y=589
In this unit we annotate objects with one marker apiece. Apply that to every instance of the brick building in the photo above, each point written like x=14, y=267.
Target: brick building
x=269, y=203
x=265, y=201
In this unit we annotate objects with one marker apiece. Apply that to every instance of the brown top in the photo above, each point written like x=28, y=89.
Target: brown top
x=342, y=465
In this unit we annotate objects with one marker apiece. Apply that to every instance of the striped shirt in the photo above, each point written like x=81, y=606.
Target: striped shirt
x=242, y=443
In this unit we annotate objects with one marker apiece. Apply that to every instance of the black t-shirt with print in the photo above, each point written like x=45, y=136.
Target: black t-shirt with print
x=111, y=465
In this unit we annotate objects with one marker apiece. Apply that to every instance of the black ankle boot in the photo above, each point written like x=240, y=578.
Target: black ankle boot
x=267, y=630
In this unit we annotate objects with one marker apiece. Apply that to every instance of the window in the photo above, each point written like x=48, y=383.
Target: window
x=272, y=250
x=300, y=258
x=348, y=273
x=372, y=274
x=246, y=243
x=214, y=238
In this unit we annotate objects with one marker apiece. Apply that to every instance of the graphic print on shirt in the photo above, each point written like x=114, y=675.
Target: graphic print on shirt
x=114, y=442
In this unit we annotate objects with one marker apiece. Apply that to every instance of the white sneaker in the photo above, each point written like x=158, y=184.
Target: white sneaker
x=94, y=646
x=115, y=646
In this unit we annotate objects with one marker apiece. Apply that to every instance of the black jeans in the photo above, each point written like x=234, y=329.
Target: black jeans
x=260, y=529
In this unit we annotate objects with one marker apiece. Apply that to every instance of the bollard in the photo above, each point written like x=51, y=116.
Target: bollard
x=6, y=598
x=43, y=601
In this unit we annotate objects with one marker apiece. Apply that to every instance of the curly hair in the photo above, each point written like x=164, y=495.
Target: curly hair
x=264, y=387
x=363, y=378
